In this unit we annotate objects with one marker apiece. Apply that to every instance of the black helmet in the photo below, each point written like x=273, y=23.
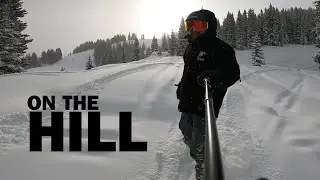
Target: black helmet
x=208, y=16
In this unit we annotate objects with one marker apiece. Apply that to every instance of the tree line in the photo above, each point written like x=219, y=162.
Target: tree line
x=47, y=57
x=274, y=27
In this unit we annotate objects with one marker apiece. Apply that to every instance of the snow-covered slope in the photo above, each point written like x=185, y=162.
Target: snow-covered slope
x=74, y=62
x=268, y=126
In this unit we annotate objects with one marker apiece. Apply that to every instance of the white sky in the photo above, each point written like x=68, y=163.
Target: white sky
x=66, y=24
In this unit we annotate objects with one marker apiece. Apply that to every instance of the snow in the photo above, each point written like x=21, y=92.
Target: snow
x=268, y=124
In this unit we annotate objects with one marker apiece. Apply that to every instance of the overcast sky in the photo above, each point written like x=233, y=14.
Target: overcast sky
x=66, y=24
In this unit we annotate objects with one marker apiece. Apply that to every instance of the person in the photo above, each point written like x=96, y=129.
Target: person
x=205, y=56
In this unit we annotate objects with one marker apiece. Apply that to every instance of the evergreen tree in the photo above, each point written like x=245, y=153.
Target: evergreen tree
x=245, y=28
x=34, y=60
x=89, y=64
x=136, y=50
x=149, y=52
x=252, y=28
x=58, y=54
x=257, y=52
x=12, y=42
x=142, y=37
x=229, y=29
x=173, y=44
x=182, y=43
x=17, y=12
x=159, y=52
x=239, y=32
x=317, y=30
x=317, y=22
x=164, y=43
x=133, y=36
x=154, y=45
x=129, y=36
x=142, y=51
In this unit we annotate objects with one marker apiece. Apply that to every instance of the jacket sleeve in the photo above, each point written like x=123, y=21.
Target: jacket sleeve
x=228, y=71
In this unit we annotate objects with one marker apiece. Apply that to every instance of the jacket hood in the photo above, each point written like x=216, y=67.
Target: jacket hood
x=208, y=16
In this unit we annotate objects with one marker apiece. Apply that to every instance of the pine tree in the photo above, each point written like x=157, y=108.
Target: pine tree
x=317, y=30
x=142, y=51
x=257, y=52
x=239, y=32
x=142, y=37
x=317, y=20
x=17, y=12
x=154, y=45
x=123, y=55
x=148, y=52
x=34, y=60
x=164, y=43
x=12, y=42
x=136, y=50
x=252, y=25
x=58, y=54
x=173, y=44
x=229, y=29
x=245, y=28
x=182, y=43
x=219, y=30
x=89, y=64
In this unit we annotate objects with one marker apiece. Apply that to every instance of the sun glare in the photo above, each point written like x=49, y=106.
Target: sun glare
x=163, y=16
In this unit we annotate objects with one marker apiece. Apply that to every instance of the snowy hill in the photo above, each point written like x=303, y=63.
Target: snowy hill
x=74, y=62
x=268, y=126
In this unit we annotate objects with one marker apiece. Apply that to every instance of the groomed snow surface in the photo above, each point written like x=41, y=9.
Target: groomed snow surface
x=269, y=124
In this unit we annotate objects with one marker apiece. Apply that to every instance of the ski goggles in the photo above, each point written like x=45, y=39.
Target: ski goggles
x=196, y=25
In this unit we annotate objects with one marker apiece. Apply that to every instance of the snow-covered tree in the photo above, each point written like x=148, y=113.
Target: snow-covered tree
x=251, y=25
x=89, y=64
x=34, y=60
x=317, y=30
x=136, y=50
x=219, y=30
x=159, y=52
x=317, y=22
x=182, y=43
x=173, y=44
x=164, y=42
x=12, y=42
x=229, y=29
x=245, y=28
x=142, y=51
x=257, y=52
x=148, y=52
x=154, y=44
x=240, y=32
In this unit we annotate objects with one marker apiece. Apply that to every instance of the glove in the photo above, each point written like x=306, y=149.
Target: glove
x=213, y=77
x=178, y=90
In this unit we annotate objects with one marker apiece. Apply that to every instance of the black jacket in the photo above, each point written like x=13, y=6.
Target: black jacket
x=207, y=53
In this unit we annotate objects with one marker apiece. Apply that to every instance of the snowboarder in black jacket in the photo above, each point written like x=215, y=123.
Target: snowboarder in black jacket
x=205, y=56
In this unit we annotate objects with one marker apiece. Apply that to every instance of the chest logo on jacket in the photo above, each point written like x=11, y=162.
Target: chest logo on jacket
x=201, y=56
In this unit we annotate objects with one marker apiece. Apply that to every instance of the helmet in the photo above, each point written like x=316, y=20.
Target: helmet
x=203, y=21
